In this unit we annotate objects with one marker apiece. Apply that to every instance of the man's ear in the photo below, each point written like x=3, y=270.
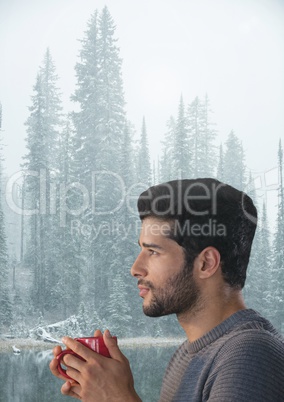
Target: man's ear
x=208, y=262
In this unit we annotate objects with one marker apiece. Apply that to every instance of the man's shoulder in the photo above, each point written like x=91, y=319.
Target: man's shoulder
x=252, y=343
x=249, y=366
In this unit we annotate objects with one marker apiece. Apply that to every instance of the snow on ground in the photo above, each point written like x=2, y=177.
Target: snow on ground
x=143, y=342
x=6, y=345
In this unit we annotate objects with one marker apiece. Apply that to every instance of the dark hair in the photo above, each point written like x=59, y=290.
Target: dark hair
x=205, y=212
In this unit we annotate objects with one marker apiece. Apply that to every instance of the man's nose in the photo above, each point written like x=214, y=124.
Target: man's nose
x=139, y=269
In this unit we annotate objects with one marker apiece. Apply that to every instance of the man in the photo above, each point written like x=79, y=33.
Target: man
x=195, y=241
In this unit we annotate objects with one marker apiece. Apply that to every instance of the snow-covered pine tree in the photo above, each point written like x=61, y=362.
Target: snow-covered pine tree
x=5, y=301
x=234, y=162
x=126, y=243
x=166, y=161
x=278, y=252
x=112, y=116
x=41, y=161
x=265, y=261
x=144, y=171
x=181, y=168
x=127, y=166
x=100, y=124
x=220, y=167
x=86, y=95
x=208, y=156
x=195, y=135
x=69, y=261
x=201, y=138
x=254, y=283
x=101, y=119
x=118, y=308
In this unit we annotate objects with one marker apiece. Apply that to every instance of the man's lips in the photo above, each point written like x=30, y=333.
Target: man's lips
x=143, y=290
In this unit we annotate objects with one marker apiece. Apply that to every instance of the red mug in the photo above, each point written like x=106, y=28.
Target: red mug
x=96, y=343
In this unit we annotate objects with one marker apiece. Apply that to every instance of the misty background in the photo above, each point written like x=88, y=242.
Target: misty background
x=134, y=89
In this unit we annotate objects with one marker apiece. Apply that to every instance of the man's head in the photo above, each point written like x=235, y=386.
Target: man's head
x=165, y=278
x=205, y=213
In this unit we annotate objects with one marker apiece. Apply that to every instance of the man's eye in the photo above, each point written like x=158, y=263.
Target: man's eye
x=153, y=252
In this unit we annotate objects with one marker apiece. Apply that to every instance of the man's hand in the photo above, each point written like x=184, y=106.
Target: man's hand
x=98, y=378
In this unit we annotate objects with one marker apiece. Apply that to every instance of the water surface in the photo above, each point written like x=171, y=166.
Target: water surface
x=26, y=377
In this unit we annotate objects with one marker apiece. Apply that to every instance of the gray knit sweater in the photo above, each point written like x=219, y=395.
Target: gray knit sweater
x=240, y=360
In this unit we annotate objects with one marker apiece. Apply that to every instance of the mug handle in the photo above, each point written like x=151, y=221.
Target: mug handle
x=59, y=357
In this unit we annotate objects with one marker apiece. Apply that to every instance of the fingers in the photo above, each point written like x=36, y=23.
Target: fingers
x=53, y=365
x=98, y=333
x=111, y=344
x=81, y=350
x=71, y=389
x=54, y=362
x=57, y=350
x=74, y=366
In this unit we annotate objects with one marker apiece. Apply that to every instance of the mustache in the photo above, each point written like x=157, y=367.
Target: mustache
x=147, y=284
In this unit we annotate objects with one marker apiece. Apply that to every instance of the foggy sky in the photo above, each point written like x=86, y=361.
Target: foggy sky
x=231, y=50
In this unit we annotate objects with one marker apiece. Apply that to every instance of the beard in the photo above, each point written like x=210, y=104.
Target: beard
x=179, y=294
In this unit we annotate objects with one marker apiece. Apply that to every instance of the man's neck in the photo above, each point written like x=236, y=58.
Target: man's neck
x=210, y=313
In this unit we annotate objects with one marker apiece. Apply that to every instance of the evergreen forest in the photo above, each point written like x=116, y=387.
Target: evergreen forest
x=68, y=223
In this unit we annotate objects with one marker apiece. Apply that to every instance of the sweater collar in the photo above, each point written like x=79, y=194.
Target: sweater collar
x=223, y=328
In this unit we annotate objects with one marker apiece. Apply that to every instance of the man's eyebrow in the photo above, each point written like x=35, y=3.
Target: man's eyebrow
x=150, y=245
